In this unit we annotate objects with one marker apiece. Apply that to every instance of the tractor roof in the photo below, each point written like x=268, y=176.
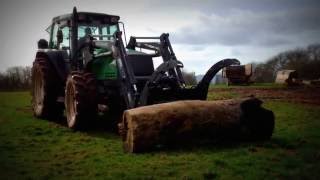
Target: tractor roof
x=87, y=16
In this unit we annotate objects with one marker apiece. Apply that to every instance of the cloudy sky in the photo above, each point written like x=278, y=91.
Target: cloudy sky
x=202, y=32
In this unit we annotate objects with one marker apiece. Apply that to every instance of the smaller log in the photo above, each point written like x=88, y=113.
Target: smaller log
x=145, y=127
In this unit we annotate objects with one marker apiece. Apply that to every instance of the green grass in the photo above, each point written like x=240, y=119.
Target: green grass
x=37, y=149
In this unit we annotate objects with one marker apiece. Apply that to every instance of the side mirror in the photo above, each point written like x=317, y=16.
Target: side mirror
x=59, y=36
x=43, y=44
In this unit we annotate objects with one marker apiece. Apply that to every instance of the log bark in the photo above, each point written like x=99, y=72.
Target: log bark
x=144, y=127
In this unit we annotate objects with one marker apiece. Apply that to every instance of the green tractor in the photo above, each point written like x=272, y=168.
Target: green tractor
x=86, y=69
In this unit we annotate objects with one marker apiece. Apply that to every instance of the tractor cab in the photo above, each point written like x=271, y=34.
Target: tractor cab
x=89, y=38
x=86, y=37
x=63, y=28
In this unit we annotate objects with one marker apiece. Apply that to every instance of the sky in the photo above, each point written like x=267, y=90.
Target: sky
x=202, y=32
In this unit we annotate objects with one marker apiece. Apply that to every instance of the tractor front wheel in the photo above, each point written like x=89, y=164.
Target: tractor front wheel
x=80, y=100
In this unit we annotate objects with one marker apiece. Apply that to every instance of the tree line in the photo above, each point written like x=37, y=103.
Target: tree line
x=306, y=61
x=19, y=78
x=16, y=78
x=189, y=77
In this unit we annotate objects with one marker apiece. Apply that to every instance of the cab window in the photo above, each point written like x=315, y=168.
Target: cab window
x=54, y=41
x=65, y=44
x=99, y=30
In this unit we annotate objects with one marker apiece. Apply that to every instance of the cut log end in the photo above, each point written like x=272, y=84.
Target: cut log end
x=144, y=127
x=258, y=120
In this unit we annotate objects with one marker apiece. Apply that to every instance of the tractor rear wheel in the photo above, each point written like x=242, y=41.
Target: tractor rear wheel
x=45, y=90
x=80, y=99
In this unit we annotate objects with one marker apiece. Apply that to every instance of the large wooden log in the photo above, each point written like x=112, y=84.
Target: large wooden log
x=144, y=127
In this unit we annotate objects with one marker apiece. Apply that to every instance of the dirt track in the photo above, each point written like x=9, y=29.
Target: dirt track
x=309, y=95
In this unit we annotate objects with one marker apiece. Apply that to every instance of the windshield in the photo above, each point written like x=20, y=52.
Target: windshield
x=100, y=30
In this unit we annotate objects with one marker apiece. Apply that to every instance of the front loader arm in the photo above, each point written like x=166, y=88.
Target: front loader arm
x=127, y=78
x=162, y=48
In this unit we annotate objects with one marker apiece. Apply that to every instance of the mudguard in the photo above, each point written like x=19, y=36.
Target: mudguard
x=58, y=59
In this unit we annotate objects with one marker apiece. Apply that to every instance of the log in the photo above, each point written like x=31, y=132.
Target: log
x=145, y=127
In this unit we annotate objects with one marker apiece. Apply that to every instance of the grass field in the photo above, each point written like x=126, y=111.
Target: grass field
x=38, y=149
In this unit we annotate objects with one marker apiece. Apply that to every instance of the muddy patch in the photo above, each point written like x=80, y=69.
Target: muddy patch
x=308, y=95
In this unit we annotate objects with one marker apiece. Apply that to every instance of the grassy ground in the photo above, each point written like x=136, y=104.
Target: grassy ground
x=37, y=149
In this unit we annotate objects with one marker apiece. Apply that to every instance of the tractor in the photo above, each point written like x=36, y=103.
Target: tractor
x=86, y=69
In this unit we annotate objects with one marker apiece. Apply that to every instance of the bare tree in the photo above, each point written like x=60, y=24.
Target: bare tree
x=189, y=77
x=16, y=78
x=306, y=61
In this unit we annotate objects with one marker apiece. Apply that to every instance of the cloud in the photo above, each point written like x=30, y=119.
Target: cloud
x=201, y=32
x=243, y=27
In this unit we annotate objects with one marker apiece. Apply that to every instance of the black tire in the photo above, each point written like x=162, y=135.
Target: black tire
x=45, y=90
x=80, y=100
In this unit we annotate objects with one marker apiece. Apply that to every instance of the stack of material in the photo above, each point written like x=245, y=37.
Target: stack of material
x=238, y=74
x=289, y=77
